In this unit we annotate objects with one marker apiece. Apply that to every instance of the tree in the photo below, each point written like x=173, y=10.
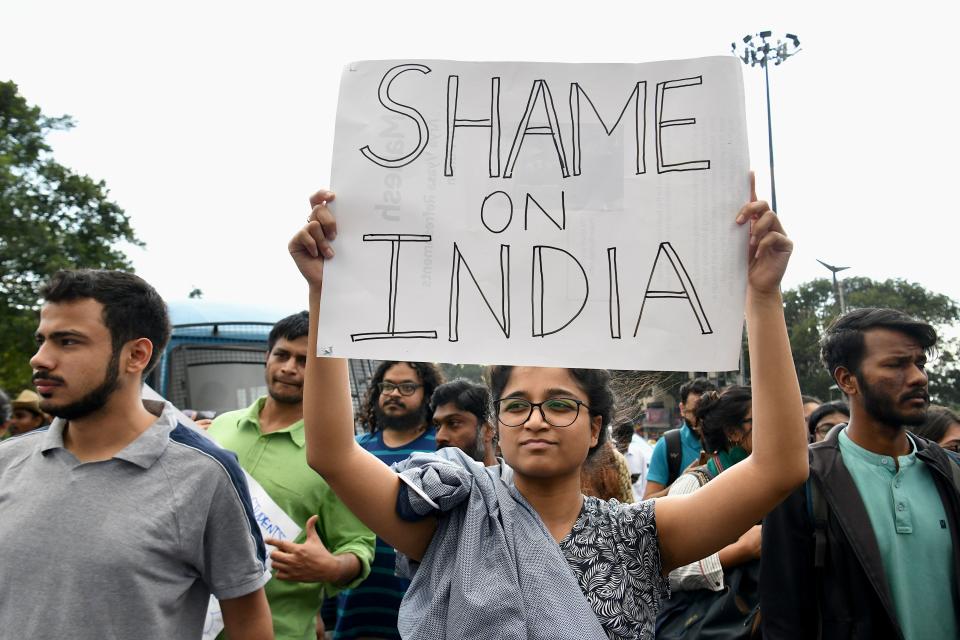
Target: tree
x=473, y=372
x=812, y=306
x=50, y=218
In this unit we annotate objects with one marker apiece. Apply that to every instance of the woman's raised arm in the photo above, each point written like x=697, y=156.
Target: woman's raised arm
x=367, y=486
x=716, y=515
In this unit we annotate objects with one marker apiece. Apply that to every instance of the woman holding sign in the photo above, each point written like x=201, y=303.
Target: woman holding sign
x=517, y=551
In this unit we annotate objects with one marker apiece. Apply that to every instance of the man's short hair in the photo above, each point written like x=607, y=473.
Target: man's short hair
x=842, y=344
x=132, y=309
x=698, y=386
x=290, y=328
x=466, y=395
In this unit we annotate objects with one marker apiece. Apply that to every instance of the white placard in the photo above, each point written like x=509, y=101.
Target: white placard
x=542, y=214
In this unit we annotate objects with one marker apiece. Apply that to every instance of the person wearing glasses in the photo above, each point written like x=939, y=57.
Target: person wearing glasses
x=941, y=426
x=726, y=427
x=398, y=419
x=826, y=417
x=516, y=550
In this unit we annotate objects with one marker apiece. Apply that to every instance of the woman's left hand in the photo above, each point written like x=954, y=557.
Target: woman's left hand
x=769, y=248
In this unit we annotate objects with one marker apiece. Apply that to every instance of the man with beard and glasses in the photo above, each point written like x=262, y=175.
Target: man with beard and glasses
x=334, y=550
x=133, y=520
x=397, y=413
x=461, y=417
x=870, y=547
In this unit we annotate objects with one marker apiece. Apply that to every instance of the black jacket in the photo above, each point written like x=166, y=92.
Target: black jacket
x=849, y=597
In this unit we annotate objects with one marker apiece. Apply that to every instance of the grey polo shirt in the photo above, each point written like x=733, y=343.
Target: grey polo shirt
x=130, y=547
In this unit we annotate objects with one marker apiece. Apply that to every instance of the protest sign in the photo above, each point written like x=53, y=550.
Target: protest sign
x=543, y=214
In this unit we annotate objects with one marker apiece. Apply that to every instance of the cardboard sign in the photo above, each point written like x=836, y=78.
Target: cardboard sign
x=574, y=215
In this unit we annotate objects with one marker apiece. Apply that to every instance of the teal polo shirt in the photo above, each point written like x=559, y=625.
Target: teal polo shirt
x=913, y=533
x=659, y=470
x=278, y=461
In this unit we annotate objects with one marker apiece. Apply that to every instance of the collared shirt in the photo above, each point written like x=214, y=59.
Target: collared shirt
x=912, y=531
x=129, y=547
x=659, y=471
x=277, y=460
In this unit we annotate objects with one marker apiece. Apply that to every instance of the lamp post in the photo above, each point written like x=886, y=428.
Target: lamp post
x=838, y=287
x=758, y=50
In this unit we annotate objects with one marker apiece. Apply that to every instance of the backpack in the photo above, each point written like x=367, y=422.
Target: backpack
x=674, y=455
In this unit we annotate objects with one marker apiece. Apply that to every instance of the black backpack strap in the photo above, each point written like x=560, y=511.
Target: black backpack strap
x=817, y=511
x=674, y=455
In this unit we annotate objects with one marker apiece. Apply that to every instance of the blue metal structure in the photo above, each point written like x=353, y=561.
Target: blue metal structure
x=215, y=358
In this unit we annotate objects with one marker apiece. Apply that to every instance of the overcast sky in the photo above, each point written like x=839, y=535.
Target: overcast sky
x=211, y=122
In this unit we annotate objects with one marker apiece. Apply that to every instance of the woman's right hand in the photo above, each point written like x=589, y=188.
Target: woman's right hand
x=310, y=247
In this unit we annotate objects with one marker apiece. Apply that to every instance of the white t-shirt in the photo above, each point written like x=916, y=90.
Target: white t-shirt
x=638, y=461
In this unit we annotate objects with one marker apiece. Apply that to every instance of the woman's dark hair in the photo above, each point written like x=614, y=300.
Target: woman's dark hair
x=132, y=309
x=838, y=406
x=719, y=413
x=935, y=426
x=594, y=382
x=430, y=377
x=842, y=344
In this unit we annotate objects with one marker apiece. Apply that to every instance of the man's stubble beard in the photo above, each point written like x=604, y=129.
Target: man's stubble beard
x=882, y=409
x=94, y=400
x=293, y=398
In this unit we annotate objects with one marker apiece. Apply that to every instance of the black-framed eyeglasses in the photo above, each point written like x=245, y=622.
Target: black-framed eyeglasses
x=405, y=388
x=557, y=412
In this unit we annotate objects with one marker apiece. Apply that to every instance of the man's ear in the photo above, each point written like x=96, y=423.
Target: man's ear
x=846, y=381
x=136, y=355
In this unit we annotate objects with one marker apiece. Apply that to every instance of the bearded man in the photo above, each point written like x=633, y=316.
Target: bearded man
x=133, y=520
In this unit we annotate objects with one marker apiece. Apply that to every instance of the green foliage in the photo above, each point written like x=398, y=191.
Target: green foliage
x=50, y=218
x=472, y=372
x=812, y=306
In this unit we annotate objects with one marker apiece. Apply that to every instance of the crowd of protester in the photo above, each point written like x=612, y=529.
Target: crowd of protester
x=521, y=507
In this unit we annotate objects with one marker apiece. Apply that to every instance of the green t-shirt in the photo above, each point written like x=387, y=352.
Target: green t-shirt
x=913, y=533
x=278, y=462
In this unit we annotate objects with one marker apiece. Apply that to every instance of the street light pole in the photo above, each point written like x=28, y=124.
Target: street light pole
x=838, y=287
x=773, y=182
x=760, y=52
